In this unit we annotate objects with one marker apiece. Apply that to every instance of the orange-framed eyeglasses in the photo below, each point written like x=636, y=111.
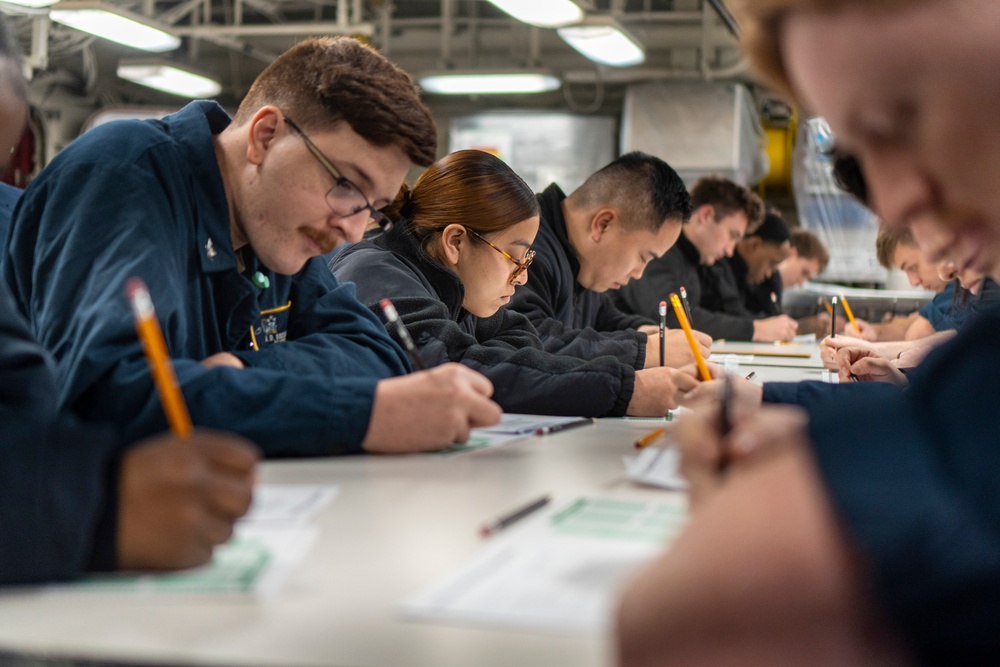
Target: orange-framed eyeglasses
x=522, y=265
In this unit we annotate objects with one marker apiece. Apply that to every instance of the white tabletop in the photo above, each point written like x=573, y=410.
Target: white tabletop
x=397, y=525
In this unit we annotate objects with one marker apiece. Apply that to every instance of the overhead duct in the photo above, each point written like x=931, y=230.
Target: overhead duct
x=699, y=128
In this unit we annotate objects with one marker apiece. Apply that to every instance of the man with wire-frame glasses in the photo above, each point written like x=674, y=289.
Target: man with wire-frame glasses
x=224, y=220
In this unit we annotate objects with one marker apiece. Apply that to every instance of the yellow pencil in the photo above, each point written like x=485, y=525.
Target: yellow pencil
x=155, y=348
x=645, y=440
x=850, y=315
x=675, y=301
x=828, y=307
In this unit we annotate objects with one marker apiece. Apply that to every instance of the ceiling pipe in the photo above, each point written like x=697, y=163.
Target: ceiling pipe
x=276, y=30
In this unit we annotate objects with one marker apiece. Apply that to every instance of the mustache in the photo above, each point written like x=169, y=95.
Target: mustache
x=326, y=242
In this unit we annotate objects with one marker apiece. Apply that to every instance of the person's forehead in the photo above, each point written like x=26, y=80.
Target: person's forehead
x=377, y=170
x=905, y=254
x=734, y=223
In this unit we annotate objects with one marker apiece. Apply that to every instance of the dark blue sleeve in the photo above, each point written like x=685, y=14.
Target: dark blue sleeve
x=57, y=476
x=812, y=393
x=942, y=312
x=8, y=199
x=913, y=477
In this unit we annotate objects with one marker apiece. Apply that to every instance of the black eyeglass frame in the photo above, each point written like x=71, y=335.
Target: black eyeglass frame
x=340, y=181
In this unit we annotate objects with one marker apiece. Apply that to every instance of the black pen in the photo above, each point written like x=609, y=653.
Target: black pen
x=504, y=521
x=833, y=317
x=725, y=423
x=663, y=331
x=751, y=376
x=545, y=430
x=393, y=317
x=687, y=306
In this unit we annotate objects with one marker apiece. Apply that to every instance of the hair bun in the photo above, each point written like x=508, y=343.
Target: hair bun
x=406, y=205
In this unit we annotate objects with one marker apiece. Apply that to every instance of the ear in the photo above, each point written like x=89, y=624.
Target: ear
x=261, y=132
x=705, y=213
x=453, y=240
x=601, y=221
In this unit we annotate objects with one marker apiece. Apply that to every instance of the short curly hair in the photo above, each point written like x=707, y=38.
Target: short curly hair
x=728, y=197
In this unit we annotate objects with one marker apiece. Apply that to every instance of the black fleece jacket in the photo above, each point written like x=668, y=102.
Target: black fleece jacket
x=554, y=377
x=681, y=266
x=559, y=307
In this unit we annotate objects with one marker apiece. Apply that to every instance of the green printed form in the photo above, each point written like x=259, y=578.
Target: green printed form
x=235, y=568
x=604, y=518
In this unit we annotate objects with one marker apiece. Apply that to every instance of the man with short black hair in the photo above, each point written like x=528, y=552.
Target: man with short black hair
x=598, y=238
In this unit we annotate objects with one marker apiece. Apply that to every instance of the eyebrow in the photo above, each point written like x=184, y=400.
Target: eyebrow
x=362, y=180
x=522, y=243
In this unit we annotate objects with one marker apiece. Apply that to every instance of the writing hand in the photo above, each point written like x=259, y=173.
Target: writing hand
x=177, y=499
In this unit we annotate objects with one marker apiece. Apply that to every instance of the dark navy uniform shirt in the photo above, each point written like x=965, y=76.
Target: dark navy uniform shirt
x=146, y=198
x=913, y=475
x=947, y=310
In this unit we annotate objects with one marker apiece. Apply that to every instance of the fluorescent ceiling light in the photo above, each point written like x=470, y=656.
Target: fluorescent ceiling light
x=31, y=3
x=606, y=43
x=169, y=79
x=542, y=13
x=489, y=83
x=115, y=24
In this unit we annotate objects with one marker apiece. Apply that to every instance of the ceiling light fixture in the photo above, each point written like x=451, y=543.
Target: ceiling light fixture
x=489, y=83
x=604, y=41
x=169, y=78
x=34, y=4
x=542, y=13
x=115, y=24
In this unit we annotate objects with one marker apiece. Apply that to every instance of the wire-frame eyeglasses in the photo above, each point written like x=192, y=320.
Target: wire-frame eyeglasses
x=344, y=198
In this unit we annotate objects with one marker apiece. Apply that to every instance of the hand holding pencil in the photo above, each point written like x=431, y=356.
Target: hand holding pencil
x=689, y=334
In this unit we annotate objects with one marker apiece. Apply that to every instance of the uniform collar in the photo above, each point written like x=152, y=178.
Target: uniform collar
x=194, y=128
x=550, y=201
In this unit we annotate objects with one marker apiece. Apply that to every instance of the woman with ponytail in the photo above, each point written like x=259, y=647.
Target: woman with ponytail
x=459, y=247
